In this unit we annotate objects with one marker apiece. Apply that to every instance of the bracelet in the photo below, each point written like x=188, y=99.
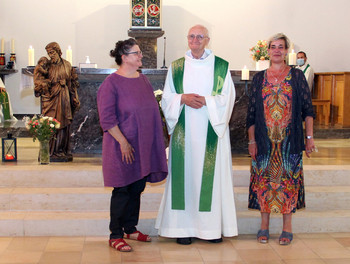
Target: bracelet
x=251, y=142
x=309, y=137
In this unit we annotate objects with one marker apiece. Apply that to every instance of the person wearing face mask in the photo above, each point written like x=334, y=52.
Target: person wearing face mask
x=305, y=68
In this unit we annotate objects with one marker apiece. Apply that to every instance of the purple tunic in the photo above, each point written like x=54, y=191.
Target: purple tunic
x=130, y=104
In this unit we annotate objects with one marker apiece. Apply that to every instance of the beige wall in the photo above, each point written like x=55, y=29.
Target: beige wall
x=319, y=27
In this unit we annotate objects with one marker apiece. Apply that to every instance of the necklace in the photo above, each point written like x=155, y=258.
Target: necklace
x=279, y=75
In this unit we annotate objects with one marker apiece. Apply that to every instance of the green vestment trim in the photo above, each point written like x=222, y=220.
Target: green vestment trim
x=4, y=101
x=306, y=68
x=178, y=142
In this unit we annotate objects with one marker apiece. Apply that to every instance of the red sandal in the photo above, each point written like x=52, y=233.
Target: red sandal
x=120, y=245
x=139, y=237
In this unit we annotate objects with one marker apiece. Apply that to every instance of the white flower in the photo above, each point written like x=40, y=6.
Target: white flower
x=45, y=117
x=57, y=125
x=158, y=92
x=50, y=118
x=52, y=125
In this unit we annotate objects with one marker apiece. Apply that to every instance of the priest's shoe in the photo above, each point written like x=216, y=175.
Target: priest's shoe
x=184, y=240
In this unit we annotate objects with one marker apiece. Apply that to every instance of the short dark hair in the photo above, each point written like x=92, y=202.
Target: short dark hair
x=302, y=53
x=122, y=47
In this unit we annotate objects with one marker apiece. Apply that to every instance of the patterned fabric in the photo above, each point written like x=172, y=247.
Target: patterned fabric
x=277, y=176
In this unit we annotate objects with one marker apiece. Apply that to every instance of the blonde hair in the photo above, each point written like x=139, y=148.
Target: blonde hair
x=279, y=36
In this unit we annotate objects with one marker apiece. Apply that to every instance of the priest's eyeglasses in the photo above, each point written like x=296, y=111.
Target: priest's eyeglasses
x=197, y=37
x=138, y=53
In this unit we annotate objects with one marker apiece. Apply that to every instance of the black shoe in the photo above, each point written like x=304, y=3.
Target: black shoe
x=184, y=240
x=217, y=240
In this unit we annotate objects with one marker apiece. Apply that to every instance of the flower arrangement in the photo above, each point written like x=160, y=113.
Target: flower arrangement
x=42, y=127
x=259, y=51
x=158, y=95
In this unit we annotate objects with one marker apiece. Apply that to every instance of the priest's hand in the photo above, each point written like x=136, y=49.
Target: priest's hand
x=2, y=89
x=193, y=100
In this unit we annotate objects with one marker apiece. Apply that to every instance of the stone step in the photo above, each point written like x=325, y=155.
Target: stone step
x=90, y=175
x=91, y=223
x=98, y=198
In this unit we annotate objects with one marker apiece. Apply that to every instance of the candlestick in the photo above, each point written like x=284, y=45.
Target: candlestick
x=13, y=57
x=164, y=67
x=245, y=74
x=2, y=46
x=292, y=58
x=2, y=59
x=12, y=46
x=69, y=55
x=30, y=56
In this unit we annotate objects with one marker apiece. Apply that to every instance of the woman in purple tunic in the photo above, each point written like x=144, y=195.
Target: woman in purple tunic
x=133, y=150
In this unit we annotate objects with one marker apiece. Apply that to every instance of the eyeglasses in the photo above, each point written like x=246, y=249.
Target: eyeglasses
x=135, y=52
x=197, y=37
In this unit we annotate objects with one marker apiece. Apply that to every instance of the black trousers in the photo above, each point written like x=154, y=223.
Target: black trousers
x=125, y=208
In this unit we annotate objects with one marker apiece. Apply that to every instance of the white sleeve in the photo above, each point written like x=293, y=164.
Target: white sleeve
x=171, y=103
x=220, y=106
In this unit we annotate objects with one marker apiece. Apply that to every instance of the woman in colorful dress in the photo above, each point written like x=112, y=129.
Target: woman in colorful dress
x=133, y=150
x=280, y=101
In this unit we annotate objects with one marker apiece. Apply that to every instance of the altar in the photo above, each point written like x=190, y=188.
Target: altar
x=86, y=134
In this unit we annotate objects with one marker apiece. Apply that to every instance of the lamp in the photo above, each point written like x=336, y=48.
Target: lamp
x=9, y=148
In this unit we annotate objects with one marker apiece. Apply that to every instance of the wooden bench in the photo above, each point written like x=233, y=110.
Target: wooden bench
x=322, y=115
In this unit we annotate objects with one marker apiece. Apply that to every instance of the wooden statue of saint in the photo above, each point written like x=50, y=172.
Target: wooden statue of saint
x=56, y=82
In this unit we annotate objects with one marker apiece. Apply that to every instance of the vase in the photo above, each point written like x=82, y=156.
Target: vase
x=44, y=154
x=262, y=65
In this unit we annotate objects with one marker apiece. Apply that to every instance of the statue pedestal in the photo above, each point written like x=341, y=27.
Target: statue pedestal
x=147, y=39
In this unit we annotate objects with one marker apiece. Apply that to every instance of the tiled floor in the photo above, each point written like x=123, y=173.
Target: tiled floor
x=331, y=248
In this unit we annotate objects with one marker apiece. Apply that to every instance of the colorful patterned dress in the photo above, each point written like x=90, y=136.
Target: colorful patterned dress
x=276, y=183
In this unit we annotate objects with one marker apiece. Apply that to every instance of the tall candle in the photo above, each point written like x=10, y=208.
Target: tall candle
x=30, y=56
x=12, y=46
x=2, y=46
x=245, y=74
x=292, y=59
x=69, y=56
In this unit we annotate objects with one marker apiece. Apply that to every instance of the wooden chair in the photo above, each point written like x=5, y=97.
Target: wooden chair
x=323, y=109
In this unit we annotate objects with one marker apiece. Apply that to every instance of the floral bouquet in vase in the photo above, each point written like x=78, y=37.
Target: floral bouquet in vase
x=42, y=128
x=158, y=95
x=260, y=54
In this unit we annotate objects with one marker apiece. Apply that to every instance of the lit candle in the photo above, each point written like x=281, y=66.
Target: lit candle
x=30, y=56
x=69, y=56
x=292, y=59
x=12, y=46
x=2, y=46
x=245, y=74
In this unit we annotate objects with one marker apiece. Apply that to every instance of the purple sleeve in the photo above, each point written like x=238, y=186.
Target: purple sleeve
x=107, y=105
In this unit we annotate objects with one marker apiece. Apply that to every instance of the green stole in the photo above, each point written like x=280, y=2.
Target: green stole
x=306, y=68
x=4, y=101
x=178, y=142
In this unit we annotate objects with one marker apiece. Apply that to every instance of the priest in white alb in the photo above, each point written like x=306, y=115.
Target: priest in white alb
x=6, y=113
x=197, y=102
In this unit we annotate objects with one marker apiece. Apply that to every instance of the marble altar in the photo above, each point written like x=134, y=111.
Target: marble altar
x=86, y=131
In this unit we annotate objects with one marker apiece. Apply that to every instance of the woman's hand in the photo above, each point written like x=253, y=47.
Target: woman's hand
x=252, y=149
x=127, y=152
x=126, y=149
x=309, y=147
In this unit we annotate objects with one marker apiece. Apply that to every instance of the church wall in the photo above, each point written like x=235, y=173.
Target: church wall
x=319, y=27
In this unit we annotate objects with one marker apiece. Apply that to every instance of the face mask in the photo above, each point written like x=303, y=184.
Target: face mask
x=300, y=62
